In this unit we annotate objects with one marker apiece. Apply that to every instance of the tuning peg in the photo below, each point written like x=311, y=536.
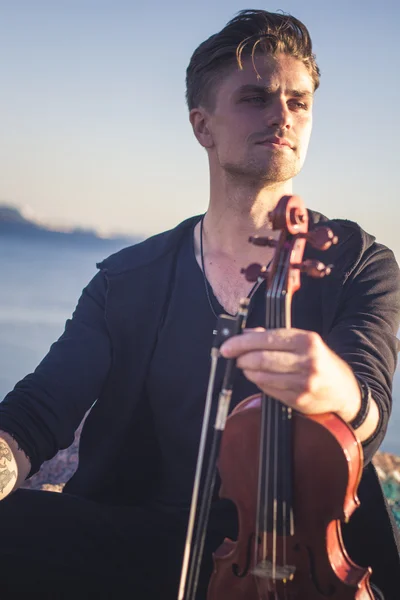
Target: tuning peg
x=254, y=272
x=314, y=268
x=321, y=238
x=258, y=240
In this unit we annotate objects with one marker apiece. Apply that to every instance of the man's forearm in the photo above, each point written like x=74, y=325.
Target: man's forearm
x=14, y=465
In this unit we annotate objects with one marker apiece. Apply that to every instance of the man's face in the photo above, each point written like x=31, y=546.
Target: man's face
x=261, y=124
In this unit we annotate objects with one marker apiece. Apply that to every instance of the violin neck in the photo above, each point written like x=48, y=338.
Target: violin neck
x=278, y=313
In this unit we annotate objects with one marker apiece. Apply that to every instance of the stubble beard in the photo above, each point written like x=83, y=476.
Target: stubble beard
x=276, y=171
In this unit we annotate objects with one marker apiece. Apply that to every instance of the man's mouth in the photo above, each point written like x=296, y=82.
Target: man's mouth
x=276, y=141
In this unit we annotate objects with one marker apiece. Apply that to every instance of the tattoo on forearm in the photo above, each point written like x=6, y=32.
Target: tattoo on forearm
x=6, y=475
x=5, y=454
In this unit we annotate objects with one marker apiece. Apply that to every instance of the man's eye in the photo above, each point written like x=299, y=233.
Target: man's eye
x=296, y=104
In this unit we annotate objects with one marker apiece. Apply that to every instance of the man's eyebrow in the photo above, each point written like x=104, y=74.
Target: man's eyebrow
x=252, y=87
x=264, y=89
x=300, y=93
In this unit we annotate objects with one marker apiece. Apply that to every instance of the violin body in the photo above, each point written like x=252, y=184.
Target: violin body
x=311, y=562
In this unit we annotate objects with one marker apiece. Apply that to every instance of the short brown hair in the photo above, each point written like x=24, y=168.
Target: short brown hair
x=250, y=32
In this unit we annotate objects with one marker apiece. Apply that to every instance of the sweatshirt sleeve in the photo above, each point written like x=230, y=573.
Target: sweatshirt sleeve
x=365, y=328
x=45, y=408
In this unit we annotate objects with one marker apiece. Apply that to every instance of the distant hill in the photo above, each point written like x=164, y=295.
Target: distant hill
x=13, y=223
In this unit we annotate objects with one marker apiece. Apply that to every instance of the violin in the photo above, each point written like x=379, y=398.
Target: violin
x=292, y=477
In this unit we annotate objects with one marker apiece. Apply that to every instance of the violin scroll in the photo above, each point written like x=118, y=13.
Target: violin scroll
x=291, y=217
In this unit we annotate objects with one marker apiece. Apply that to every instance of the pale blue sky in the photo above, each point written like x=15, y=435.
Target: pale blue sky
x=94, y=128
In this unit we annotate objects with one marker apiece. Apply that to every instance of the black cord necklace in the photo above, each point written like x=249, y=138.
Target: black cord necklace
x=206, y=283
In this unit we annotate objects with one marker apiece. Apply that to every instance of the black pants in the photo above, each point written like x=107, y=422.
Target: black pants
x=61, y=547
x=57, y=546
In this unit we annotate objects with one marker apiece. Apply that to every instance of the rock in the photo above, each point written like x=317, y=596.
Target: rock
x=54, y=473
x=387, y=463
x=388, y=469
x=381, y=473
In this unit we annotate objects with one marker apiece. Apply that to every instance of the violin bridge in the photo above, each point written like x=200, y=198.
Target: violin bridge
x=267, y=570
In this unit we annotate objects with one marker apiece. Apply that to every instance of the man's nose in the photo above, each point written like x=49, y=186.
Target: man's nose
x=278, y=115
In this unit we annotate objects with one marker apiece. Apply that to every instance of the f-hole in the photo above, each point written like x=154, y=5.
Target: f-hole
x=235, y=566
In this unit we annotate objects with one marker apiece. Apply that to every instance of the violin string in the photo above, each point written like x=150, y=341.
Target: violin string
x=260, y=498
x=272, y=443
x=285, y=466
x=266, y=435
x=280, y=432
x=285, y=441
x=262, y=501
x=277, y=302
x=265, y=443
x=259, y=540
x=267, y=470
x=286, y=470
x=278, y=509
x=275, y=504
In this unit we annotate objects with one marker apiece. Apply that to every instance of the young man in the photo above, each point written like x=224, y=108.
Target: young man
x=139, y=340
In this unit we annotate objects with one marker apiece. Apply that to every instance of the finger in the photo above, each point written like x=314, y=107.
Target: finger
x=290, y=383
x=287, y=388
x=272, y=361
x=284, y=340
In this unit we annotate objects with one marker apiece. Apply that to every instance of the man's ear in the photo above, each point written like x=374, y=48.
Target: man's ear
x=199, y=119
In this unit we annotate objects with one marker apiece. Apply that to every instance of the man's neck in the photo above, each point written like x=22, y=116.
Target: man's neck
x=236, y=212
x=230, y=219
